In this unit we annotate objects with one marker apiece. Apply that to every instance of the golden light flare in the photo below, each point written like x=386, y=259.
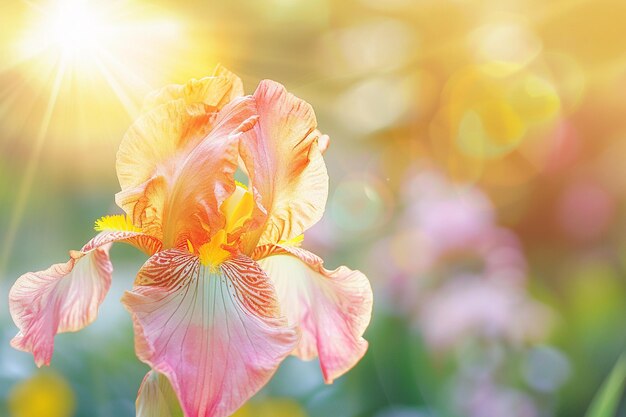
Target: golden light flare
x=44, y=394
x=74, y=75
x=100, y=44
x=74, y=27
x=491, y=120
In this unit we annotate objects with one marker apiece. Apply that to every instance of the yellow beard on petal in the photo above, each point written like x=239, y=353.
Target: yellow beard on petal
x=117, y=222
x=237, y=209
x=211, y=253
x=296, y=241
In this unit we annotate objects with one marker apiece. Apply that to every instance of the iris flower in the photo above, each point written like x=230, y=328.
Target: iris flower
x=227, y=292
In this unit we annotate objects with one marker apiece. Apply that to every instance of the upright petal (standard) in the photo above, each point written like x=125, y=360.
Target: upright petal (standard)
x=176, y=163
x=285, y=165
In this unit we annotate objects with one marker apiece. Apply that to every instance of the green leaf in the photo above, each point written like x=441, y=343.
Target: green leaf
x=607, y=399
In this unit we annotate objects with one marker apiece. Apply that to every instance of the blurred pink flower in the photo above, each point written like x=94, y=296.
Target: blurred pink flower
x=455, y=271
x=448, y=216
x=586, y=210
x=481, y=396
x=472, y=307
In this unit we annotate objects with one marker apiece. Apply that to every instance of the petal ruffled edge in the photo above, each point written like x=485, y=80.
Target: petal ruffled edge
x=332, y=309
x=216, y=91
x=216, y=335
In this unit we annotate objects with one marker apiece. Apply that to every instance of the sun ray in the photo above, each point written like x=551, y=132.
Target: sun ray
x=31, y=169
x=71, y=60
x=126, y=101
x=125, y=72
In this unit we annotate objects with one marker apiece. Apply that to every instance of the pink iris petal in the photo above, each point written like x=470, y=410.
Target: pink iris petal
x=66, y=296
x=331, y=308
x=216, y=334
x=285, y=165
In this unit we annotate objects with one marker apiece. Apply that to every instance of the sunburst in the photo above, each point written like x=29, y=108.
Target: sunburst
x=98, y=56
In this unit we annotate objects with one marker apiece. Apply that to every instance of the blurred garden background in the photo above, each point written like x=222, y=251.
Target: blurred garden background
x=477, y=176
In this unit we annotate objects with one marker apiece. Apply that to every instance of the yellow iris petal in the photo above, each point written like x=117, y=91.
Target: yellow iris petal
x=241, y=184
x=237, y=208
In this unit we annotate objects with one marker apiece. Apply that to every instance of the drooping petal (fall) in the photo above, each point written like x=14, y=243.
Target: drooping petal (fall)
x=215, y=91
x=285, y=165
x=215, y=333
x=156, y=397
x=66, y=296
x=175, y=166
x=331, y=308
